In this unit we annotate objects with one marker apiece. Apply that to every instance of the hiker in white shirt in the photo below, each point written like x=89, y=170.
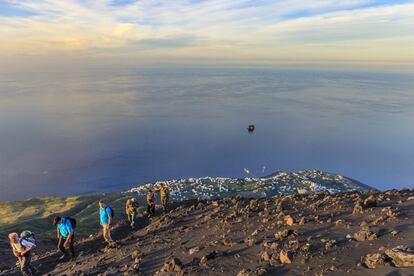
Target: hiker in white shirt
x=22, y=249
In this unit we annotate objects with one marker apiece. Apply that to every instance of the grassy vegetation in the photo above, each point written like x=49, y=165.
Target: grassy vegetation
x=37, y=214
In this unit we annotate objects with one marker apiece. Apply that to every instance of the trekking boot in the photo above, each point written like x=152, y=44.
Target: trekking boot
x=34, y=270
x=63, y=258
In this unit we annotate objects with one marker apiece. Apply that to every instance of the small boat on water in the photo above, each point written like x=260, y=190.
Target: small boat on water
x=251, y=128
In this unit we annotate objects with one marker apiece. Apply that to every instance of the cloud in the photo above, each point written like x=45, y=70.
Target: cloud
x=355, y=30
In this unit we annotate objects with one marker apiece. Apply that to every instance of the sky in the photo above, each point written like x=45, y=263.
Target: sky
x=244, y=31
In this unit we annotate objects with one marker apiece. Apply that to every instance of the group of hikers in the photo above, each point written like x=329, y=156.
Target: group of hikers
x=23, y=244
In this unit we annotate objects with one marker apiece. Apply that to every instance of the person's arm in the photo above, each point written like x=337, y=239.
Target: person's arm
x=15, y=253
x=68, y=225
x=28, y=248
x=57, y=232
x=109, y=219
x=66, y=244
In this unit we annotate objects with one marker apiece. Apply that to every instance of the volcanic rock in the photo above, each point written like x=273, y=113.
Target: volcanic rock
x=172, y=265
x=401, y=256
x=289, y=220
x=358, y=210
x=264, y=257
x=374, y=260
x=370, y=202
x=285, y=257
x=365, y=234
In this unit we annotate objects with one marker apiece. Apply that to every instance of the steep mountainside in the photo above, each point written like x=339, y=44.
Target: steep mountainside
x=349, y=233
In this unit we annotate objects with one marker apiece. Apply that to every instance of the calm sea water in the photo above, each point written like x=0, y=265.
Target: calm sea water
x=104, y=130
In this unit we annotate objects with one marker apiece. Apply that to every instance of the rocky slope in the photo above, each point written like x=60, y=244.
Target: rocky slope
x=302, y=234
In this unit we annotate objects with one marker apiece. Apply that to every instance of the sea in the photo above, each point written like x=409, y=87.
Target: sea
x=103, y=129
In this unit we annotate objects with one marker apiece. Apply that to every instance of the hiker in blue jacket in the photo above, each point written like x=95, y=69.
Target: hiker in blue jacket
x=66, y=234
x=105, y=219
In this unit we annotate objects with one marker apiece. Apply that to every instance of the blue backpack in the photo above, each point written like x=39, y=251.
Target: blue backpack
x=111, y=212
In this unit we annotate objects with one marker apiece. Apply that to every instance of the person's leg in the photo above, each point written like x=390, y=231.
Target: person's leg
x=130, y=217
x=134, y=215
x=164, y=203
x=104, y=232
x=107, y=234
x=25, y=264
x=61, y=245
x=72, y=246
x=20, y=263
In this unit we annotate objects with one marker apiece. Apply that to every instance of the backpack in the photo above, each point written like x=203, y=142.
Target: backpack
x=134, y=202
x=111, y=211
x=72, y=222
x=28, y=236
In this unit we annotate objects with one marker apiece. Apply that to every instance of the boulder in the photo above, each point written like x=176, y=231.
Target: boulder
x=173, y=265
x=289, y=220
x=285, y=257
x=264, y=257
x=374, y=260
x=136, y=254
x=260, y=271
x=249, y=241
x=203, y=261
x=370, y=202
x=330, y=244
x=244, y=272
x=401, y=256
x=306, y=248
x=270, y=245
x=274, y=260
x=294, y=245
x=283, y=234
x=194, y=250
x=365, y=234
x=358, y=210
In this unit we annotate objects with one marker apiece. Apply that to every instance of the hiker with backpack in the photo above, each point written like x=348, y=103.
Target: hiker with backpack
x=22, y=248
x=65, y=232
x=131, y=210
x=151, y=202
x=106, y=215
x=164, y=196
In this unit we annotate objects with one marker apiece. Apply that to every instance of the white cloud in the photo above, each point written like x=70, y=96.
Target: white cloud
x=236, y=29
